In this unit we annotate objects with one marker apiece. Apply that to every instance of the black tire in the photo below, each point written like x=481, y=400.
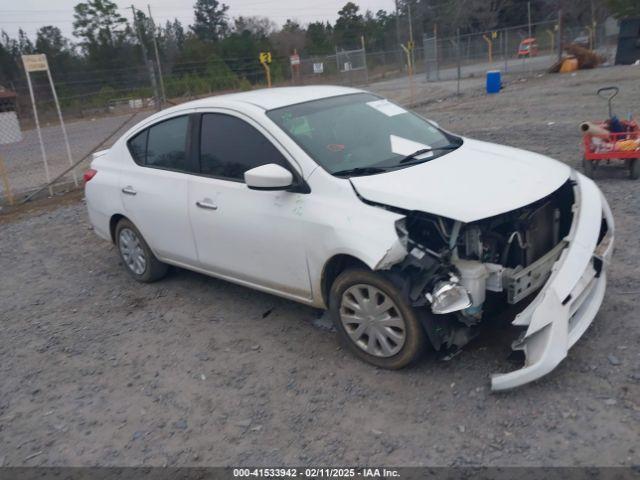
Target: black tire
x=589, y=167
x=634, y=168
x=415, y=341
x=154, y=269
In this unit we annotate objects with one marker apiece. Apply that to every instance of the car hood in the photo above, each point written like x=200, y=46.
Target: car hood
x=475, y=181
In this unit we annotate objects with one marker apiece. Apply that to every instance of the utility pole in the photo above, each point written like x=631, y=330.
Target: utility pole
x=411, y=44
x=398, y=33
x=560, y=26
x=145, y=58
x=155, y=47
x=529, y=17
x=410, y=22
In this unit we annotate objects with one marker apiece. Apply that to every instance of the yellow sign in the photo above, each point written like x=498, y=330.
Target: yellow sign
x=265, y=57
x=411, y=45
x=35, y=63
x=494, y=34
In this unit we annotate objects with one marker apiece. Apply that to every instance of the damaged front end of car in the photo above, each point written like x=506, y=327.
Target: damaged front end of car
x=545, y=261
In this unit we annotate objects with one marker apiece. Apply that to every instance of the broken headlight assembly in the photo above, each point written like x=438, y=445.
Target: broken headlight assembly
x=448, y=297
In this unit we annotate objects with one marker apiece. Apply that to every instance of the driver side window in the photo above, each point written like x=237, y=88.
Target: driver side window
x=230, y=146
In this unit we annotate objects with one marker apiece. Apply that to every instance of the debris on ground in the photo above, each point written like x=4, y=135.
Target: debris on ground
x=582, y=57
x=613, y=360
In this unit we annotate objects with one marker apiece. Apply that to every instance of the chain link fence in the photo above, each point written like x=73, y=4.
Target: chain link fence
x=507, y=49
x=98, y=106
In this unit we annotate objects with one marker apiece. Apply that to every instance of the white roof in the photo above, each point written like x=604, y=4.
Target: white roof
x=268, y=98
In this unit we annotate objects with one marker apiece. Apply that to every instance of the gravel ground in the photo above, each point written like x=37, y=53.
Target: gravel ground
x=100, y=370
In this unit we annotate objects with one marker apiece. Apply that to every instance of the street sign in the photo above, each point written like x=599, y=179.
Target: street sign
x=265, y=60
x=294, y=59
x=318, y=67
x=35, y=63
x=38, y=63
x=265, y=57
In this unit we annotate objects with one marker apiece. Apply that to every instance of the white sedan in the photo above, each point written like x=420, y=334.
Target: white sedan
x=409, y=235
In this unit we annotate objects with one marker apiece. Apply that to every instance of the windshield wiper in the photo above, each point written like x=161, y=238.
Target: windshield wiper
x=422, y=151
x=358, y=171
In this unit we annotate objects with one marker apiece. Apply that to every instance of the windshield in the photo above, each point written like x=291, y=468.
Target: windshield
x=361, y=134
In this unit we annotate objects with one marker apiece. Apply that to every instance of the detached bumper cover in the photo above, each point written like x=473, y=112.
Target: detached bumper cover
x=571, y=297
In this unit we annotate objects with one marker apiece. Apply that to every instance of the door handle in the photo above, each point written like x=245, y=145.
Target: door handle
x=206, y=205
x=128, y=190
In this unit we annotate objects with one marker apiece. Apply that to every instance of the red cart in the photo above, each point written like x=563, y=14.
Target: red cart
x=623, y=145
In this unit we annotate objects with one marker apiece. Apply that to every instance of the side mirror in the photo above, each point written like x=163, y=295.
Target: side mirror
x=268, y=177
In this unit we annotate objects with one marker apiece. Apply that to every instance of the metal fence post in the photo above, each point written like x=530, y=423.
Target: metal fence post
x=37, y=120
x=364, y=57
x=506, y=49
x=458, y=55
x=435, y=50
x=64, y=130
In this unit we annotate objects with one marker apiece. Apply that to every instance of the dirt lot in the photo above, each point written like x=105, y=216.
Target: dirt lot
x=99, y=370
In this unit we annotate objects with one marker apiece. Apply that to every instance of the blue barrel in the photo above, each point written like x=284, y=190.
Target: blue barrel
x=494, y=82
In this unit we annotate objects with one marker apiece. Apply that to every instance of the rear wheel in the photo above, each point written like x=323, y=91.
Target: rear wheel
x=136, y=255
x=589, y=167
x=374, y=320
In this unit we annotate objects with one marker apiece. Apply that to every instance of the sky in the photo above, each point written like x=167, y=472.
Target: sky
x=32, y=14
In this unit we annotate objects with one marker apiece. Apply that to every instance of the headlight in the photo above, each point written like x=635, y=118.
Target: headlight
x=448, y=297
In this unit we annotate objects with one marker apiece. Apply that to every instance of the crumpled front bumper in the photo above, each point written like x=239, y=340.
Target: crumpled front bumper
x=571, y=297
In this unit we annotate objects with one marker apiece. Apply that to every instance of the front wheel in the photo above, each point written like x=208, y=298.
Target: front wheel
x=374, y=320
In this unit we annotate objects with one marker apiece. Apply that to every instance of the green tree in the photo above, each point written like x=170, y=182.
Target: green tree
x=24, y=44
x=624, y=8
x=210, y=20
x=98, y=24
x=9, y=59
x=319, y=38
x=260, y=27
x=349, y=26
x=50, y=41
x=59, y=51
x=291, y=26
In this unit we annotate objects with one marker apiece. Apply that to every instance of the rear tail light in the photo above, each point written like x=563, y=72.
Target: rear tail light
x=89, y=174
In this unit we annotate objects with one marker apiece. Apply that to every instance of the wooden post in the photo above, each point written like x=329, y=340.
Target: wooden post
x=560, y=28
x=5, y=182
x=407, y=51
x=490, y=45
x=267, y=71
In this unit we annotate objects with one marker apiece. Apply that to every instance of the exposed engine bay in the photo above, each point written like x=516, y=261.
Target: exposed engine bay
x=461, y=271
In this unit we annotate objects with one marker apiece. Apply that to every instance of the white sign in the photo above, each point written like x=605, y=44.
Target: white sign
x=386, y=107
x=9, y=128
x=295, y=59
x=347, y=66
x=404, y=146
x=318, y=67
x=38, y=63
x=35, y=63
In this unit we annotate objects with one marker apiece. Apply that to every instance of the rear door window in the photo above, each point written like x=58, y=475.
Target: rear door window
x=167, y=144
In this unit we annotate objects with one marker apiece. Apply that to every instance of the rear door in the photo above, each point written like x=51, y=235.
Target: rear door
x=154, y=188
x=248, y=235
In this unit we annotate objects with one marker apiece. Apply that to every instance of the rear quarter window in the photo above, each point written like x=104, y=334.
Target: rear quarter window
x=138, y=147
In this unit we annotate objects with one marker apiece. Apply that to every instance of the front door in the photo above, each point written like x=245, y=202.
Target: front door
x=248, y=235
